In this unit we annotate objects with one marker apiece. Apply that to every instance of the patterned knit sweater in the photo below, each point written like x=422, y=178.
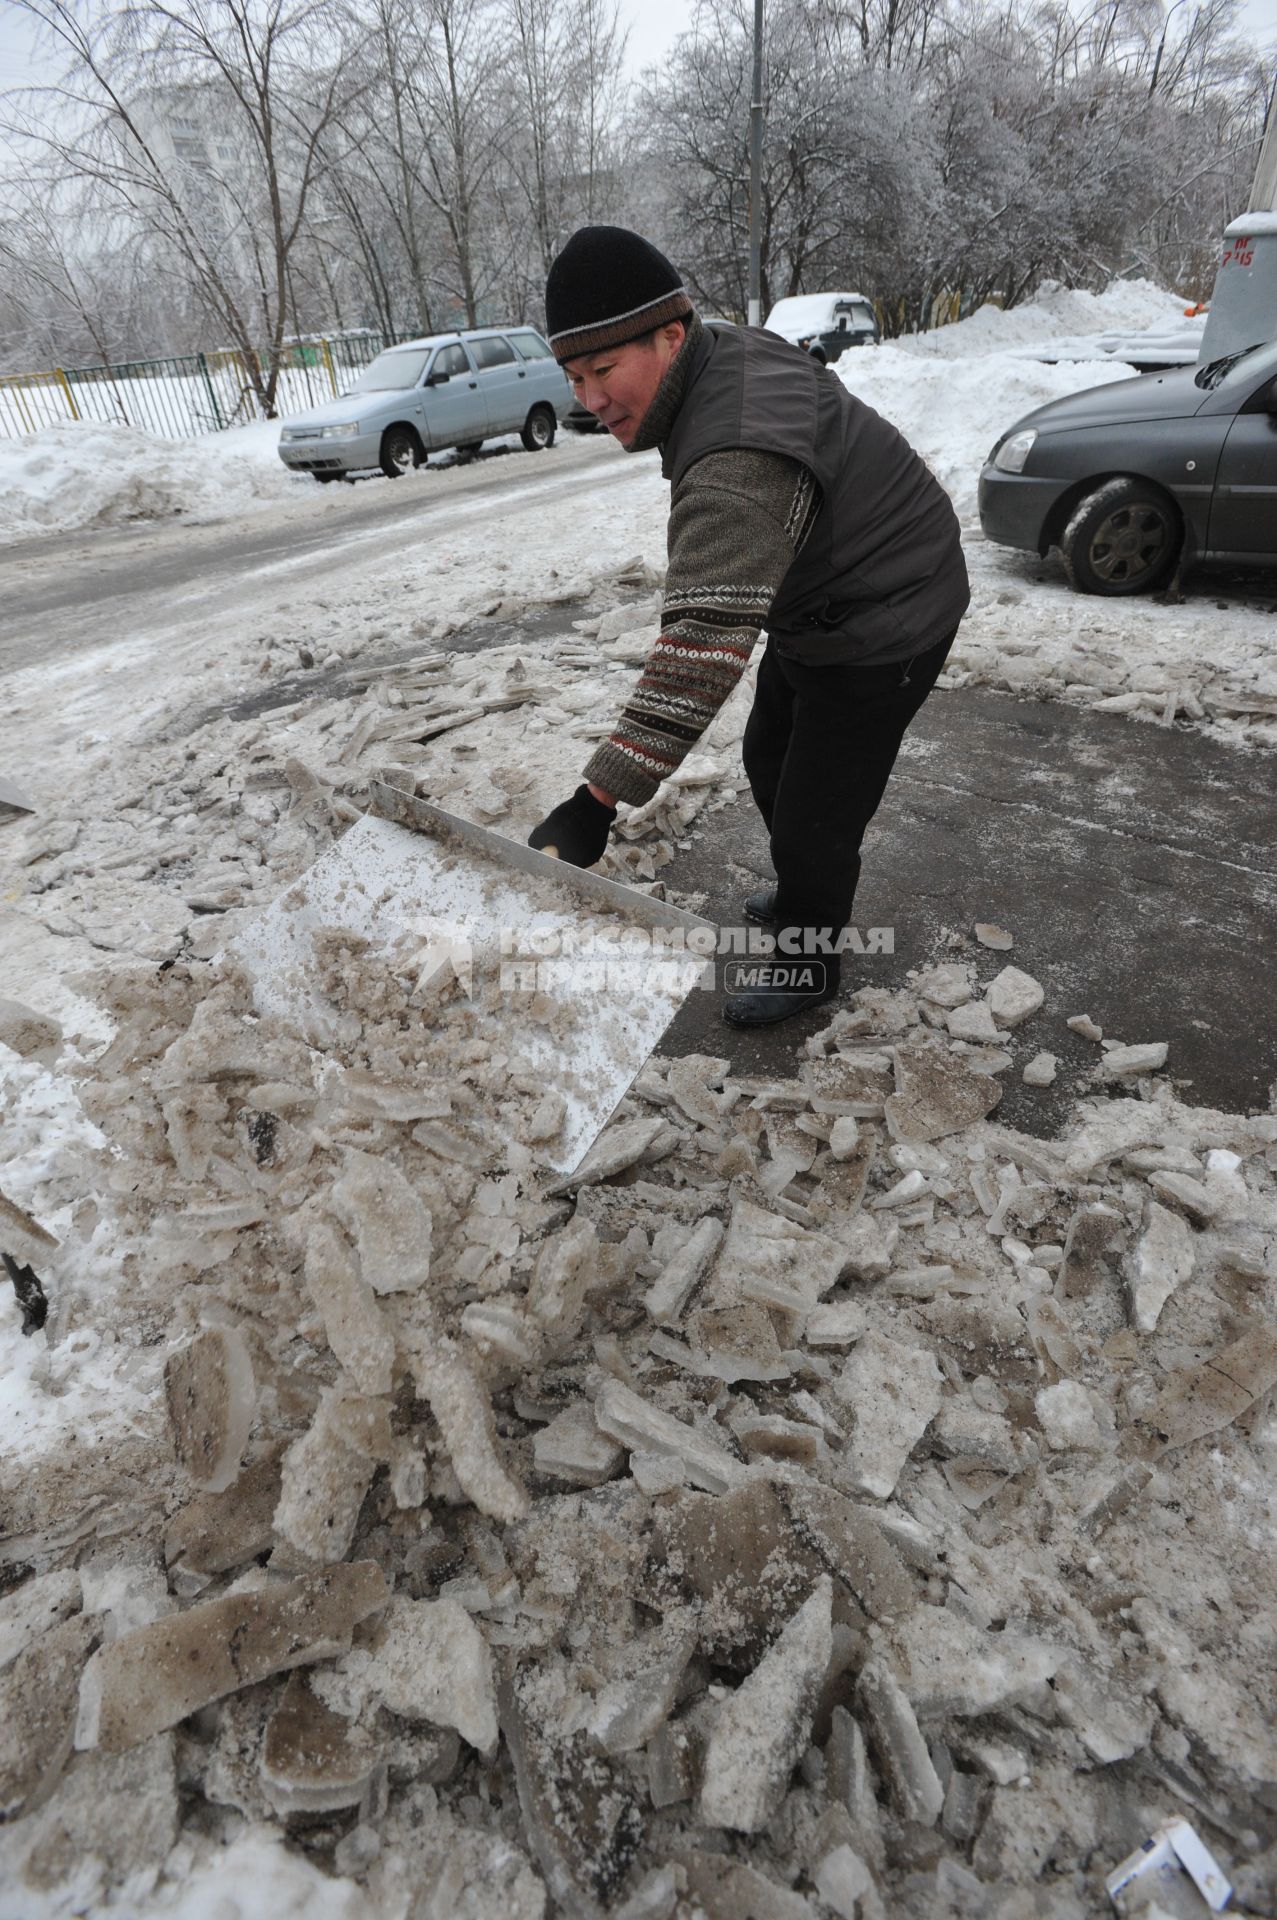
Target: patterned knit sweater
x=737, y=520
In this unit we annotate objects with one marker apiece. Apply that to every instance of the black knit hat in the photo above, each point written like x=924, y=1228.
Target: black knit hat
x=607, y=286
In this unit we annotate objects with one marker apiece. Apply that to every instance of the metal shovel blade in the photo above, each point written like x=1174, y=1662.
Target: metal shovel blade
x=13, y=801
x=435, y=893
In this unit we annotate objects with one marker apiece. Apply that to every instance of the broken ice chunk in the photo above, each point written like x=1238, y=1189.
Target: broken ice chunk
x=1191, y=1196
x=1162, y=1260
x=218, y=1531
x=835, y=1323
x=1120, y=1063
x=1091, y=1244
x=845, y=1087
x=1013, y=996
x=464, y=1414
x=936, y=1095
x=37, y=1713
x=1202, y=1399
x=630, y=1710
x=852, y=1543
x=618, y=1147
x=356, y=1328
x=312, y=1761
x=636, y=1423
x=1066, y=1417
x=326, y=1474
x=911, y=1187
x=1110, y=1723
x=582, y=1821
x=949, y=1666
x=1040, y=1071
x=35, y=1606
x=387, y=1221
x=973, y=1021
x=666, y=1298
x=993, y=936
x=157, y=1676
x=547, y=1118
x=948, y=985
x=720, y=1888
x=774, y=1261
x=430, y=1662
x=763, y=1727
x=841, y=1878
x=571, y=1448
x=566, y=1265
x=212, y=1397
x=34, y=1035
x=736, y=1343
x=894, y=1392
x=901, y=1750
x=771, y=1437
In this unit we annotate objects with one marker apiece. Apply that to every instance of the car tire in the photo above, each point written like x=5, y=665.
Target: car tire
x=539, y=429
x=1123, y=538
x=401, y=451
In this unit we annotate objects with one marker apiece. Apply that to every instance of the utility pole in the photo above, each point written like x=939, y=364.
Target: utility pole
x=756, y=176
x=1263, y=196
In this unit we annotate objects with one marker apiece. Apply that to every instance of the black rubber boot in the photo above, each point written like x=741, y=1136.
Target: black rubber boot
x=765, y=1006
x=761, y=907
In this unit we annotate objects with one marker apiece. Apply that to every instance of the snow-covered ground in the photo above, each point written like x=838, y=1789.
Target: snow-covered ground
x=165, y=823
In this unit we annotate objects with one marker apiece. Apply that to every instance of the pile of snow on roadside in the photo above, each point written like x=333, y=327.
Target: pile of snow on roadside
x=1055, y=313
x=84, y=474
x=952, y=411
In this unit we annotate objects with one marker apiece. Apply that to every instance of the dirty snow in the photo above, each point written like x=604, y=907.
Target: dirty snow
x=1067, y=1501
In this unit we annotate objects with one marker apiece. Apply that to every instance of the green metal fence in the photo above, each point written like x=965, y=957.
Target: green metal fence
x=188, y=394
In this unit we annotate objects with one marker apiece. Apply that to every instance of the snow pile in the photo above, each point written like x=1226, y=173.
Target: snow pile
x=81, y=474
x=1054, y=313
x=952, y=411
x=547, y=1569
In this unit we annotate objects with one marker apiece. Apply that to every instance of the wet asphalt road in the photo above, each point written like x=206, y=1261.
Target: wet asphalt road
x=1134, y=864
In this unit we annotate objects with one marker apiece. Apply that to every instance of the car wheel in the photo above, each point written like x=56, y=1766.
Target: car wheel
x=1123, y=538
x=538, y=429
x=400, y=451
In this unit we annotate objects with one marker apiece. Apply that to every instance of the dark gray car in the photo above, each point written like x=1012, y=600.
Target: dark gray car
x=1127, y=479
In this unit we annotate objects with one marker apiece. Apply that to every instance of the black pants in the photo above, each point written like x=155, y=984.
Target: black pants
x=819, y=746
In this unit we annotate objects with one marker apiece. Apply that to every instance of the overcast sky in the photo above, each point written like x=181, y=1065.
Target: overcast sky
x=654, y=26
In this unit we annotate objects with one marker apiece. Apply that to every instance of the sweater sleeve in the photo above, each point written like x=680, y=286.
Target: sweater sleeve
x=737, y=519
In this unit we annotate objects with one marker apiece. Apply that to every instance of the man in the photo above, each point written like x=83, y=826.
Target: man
x=793, y=507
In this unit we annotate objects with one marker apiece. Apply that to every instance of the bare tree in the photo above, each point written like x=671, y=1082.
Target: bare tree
x=257, y=83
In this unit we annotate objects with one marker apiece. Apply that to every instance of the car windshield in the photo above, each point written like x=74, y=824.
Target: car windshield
x=392, y=371
x=1216, y=371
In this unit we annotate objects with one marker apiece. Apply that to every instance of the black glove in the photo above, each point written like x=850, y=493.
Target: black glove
x=577, y=831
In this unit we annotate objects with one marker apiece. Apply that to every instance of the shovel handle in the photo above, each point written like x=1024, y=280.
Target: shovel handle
x=552, y=851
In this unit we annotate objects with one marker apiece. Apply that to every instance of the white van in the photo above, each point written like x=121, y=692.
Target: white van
x=826, y=324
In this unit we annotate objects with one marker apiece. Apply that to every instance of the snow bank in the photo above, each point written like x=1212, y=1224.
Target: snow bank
x=1055, y=313
x=952, y=411
x=80, y=474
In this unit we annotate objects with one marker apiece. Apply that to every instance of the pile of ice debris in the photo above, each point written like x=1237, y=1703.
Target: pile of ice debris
x=172, y=844
x=828, y=1503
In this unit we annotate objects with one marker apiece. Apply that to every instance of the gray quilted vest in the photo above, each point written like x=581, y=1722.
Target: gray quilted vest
x=881, y=575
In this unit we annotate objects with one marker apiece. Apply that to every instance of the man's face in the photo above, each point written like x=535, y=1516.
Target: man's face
x=619, y=384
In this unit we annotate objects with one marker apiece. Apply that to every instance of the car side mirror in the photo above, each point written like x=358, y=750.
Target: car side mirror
x=437, y=379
